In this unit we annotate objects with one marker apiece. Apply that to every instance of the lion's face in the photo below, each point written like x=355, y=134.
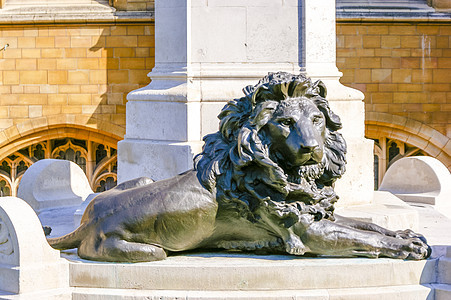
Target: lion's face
x=279, y=142
x=297, y=131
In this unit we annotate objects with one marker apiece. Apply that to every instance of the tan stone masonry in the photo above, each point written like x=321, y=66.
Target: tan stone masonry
x=404, y=70
x=70, y=74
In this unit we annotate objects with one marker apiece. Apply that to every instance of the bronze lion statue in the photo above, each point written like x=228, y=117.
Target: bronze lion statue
x=263, y=183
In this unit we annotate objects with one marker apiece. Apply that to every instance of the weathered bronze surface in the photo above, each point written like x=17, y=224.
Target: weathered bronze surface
x=264, y=183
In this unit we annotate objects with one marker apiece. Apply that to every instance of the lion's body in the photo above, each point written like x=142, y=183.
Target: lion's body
x=144, y=212
x=263, y=181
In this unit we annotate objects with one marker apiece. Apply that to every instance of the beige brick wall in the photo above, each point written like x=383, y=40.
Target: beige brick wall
x=404, y=71
x=79, y=74
x=133, y=5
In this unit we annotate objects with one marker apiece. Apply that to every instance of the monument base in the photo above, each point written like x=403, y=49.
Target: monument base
x=214, y=275
x=239, y=276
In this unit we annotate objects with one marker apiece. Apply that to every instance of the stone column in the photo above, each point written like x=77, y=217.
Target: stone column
x=319, y=36
x=206, y=52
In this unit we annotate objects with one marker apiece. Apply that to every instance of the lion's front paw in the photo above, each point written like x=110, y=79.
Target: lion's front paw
x=407, y=234
x=408, y=248
x=295, y=246
x=418, y=249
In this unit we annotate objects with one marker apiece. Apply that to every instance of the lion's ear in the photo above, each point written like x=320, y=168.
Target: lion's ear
x=262, y=113
x=318, y=88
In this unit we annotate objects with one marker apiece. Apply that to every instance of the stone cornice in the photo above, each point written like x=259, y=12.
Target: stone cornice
x=344, y=16
x=82, y=14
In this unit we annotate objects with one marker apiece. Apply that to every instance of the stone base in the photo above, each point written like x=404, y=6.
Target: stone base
x=373, y=293
x=238, y=276
x=386, y=210
x=156, y=160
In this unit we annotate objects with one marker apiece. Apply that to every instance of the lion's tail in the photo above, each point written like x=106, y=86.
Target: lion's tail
x=70, y=240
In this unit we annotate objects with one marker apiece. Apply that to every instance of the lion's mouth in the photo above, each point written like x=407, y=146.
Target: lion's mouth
x=311, y=161
x=309, y=172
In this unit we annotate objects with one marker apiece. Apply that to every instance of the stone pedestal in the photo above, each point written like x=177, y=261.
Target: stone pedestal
x=206, y=52
x=29, y=267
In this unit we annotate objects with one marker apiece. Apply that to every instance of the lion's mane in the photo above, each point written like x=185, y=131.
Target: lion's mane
x=235, y=161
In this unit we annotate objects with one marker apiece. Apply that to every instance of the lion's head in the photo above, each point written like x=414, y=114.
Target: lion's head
x=278, y=143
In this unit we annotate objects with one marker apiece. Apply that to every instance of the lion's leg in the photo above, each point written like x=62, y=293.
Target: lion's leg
x=117, y=250
x=403, y=234
x=293, y=244
x=328, y=238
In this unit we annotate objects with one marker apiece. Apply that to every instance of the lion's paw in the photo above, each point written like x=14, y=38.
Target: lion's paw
x=409, y=248
x=295, y=246
x=418, y=249
x=408, y=234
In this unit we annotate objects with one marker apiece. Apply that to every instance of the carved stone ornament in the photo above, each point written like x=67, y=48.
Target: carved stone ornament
x=263, y=183
x=6, y=245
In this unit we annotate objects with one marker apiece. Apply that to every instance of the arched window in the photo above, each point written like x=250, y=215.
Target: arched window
x=98, y=161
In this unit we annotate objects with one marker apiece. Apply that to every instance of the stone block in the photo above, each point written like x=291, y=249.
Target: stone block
x=28, y=265
x=386, y=210
x=78, y=77
x=170, y=121
x=10, y=77
x=419, y=179
x=53, y=183
x=121, y=41
x=155, y=159
x=46, y=64
x=57, y=77
x=45, y=42
x=66, y=63
x=227, y=272
x=33, y=77
x=18, y=111
x=80, y=42
x=61, y=42
x=52, y=53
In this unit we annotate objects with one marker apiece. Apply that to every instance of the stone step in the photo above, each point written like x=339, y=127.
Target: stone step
x=55, y=294
x=223, y=271
x=444, y=270
x=442, y=291
x=408, y=292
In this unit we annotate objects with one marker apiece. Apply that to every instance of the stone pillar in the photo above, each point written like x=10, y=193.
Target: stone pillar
x=357, y=184
x=206, y=52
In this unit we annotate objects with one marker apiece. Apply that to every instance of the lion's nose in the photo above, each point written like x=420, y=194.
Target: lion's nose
x=307, y=141
x=309, y=146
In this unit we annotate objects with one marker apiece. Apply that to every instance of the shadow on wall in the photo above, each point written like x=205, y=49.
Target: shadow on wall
x=127, y=56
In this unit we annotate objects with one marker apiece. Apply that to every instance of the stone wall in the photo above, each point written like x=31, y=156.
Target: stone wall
x=133, y=5
x=404, y=71
x=78, y=74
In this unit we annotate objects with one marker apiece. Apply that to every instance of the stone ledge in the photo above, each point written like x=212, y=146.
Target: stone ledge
x=373, y=293
x=71, y=15
x=223, y=271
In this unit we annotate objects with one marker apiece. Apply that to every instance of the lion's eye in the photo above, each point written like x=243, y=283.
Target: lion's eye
x=317, y=120
x=286, y=122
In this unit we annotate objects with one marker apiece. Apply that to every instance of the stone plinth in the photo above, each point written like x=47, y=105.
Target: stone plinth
x=238, y=276
x=206, y=53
